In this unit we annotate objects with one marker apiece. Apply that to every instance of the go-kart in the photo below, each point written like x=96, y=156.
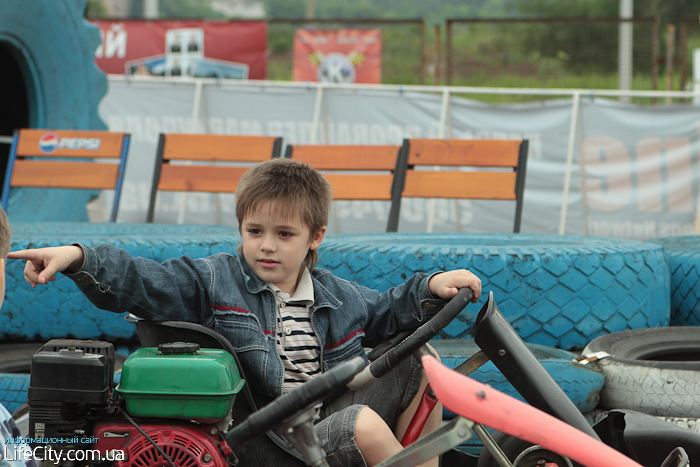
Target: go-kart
x=549, y=431
x=178, y=403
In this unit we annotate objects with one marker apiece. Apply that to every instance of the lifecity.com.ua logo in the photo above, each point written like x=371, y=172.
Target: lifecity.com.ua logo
x=24, y=453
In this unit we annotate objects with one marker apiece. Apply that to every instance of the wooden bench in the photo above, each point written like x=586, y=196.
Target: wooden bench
x=67, y=159
x=207, y=163
x=356, y=172
x=495, y=170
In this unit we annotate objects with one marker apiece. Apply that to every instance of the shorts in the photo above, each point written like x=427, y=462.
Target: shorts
x=389, y=396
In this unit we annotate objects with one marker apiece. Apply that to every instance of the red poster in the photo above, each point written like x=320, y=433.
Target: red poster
x=214, y=49
x=340, y=56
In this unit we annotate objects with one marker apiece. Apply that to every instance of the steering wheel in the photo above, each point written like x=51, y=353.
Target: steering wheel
x=395, y=355
x=318, y=388
x=289, y=405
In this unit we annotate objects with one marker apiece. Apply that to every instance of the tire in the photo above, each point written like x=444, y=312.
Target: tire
x=60, y=310
x=684, y=261
x=13, y=390
x=15, y=363
x=654, y=371
x=56, y=51
x=582, y=383
x=559, y=291
x=17, y=358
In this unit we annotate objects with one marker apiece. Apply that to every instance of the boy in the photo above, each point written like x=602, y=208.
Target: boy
x=286, y=319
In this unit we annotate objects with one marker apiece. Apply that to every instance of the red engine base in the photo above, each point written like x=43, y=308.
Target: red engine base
x=186, y=444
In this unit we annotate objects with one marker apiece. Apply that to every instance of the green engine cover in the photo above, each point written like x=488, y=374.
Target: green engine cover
x=180, y=381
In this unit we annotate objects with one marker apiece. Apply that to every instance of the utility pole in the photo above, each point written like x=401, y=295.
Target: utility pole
x=310, y=9
x=624, y=55
x=150, y=9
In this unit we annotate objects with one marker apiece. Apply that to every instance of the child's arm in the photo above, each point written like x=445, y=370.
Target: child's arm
x=446, y=284
x=114, y=280
x=43, y=263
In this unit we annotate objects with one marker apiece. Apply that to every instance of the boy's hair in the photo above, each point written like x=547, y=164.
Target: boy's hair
x=5, y=234
x=294, y=189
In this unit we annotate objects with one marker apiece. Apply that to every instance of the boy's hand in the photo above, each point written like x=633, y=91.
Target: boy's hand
x=446, y=284
x=43, y=263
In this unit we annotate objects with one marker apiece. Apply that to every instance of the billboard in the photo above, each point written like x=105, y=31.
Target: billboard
x=338, y=56
x=211, y=49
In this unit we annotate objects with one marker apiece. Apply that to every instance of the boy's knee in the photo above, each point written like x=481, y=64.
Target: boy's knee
x=367, y=419
x=370, y=427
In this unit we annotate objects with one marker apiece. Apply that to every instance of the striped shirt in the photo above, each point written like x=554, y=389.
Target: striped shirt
x=297, y=344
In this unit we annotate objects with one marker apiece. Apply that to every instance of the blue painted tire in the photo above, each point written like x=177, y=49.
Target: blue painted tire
x=55, y=48
x=13, y=390
x=581, y=383
x=60, y=310
x=684, y=260
x=559, y=291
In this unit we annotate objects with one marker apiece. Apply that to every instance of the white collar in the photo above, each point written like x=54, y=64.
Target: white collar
x=304, y=294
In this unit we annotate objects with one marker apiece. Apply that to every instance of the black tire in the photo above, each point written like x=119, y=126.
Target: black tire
x=17, y=358
x=60, y=310
x=655, y=371
x=559, y=291
x=684, y=260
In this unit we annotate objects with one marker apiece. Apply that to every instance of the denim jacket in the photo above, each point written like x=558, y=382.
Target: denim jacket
x=222, y=293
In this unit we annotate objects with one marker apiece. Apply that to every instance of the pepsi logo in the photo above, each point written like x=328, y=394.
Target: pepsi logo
x=48, y=142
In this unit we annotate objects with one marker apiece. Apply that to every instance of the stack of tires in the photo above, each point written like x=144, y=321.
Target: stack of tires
x=657, y=371
x=560, y=293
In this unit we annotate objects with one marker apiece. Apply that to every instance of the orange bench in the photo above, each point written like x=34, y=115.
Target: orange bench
x=201, y=162
x=496, y=170
x=67, y=159
x=361, y=172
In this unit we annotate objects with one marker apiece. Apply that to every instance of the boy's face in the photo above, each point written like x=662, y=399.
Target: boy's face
x=275, y=247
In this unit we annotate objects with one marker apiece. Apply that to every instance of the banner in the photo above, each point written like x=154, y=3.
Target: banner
x=636, y=171
x=338, y=56
x=209, y=49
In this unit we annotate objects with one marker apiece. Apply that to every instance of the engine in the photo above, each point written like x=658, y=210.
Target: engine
x=172, y=404
x=185, y=444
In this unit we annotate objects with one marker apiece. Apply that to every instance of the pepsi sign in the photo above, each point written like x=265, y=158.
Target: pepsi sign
x=49, y=142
